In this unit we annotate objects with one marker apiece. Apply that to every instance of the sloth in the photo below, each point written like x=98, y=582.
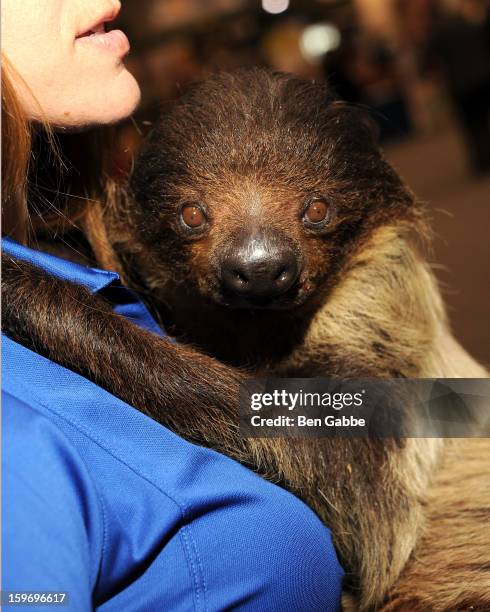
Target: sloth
x=269, y=234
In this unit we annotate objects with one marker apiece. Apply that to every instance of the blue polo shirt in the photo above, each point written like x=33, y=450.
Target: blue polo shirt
x=107, y=505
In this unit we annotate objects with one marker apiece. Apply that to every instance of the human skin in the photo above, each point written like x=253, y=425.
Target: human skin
x=63, y=75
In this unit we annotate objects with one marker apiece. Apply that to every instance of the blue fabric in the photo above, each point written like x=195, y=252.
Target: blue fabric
x=106, y=504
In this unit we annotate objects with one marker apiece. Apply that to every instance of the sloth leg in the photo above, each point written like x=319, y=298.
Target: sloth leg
x=192, y=394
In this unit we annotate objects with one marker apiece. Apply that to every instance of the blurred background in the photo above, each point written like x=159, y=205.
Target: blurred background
x=422, y=67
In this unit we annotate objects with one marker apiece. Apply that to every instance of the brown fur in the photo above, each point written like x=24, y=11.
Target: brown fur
x=450, y=569
x=70, y=325
x=330, y=475
x=252, y=147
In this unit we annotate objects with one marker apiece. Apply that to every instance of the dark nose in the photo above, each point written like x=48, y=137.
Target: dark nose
x=259, y=271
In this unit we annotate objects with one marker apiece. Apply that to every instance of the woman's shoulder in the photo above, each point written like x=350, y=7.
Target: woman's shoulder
x=52, y=528
x=180, y=525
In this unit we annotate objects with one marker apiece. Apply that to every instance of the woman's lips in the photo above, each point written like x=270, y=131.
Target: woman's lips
x=115, y=41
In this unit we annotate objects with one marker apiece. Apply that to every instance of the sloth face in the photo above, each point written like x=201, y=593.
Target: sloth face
x=252, y=246
x=255, y=188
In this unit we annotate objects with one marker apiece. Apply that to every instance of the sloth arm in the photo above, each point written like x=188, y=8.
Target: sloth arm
x=191, y=393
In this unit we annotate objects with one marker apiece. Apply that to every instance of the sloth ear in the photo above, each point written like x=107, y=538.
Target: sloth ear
x=356, y=119
x=369, y=126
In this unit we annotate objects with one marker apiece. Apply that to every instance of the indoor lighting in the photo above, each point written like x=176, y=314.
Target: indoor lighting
x=275, y=6
x=318, y=39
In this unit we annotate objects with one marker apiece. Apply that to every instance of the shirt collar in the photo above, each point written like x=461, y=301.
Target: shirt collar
x=93, y=278
x=123, y=301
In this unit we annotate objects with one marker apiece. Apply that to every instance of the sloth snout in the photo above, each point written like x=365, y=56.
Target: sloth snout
x=259, y=270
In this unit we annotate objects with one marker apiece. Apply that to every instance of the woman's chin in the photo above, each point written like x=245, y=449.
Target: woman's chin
x=113, y=101
x=130, y=96
x=119, y=101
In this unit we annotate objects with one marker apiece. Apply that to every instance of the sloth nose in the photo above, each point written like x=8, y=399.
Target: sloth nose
x=259, y=272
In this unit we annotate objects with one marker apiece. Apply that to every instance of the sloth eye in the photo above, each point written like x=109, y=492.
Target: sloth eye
x=193, y=215
x=316, y=211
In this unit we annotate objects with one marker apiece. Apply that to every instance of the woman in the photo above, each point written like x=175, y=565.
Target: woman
x=101, y=502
